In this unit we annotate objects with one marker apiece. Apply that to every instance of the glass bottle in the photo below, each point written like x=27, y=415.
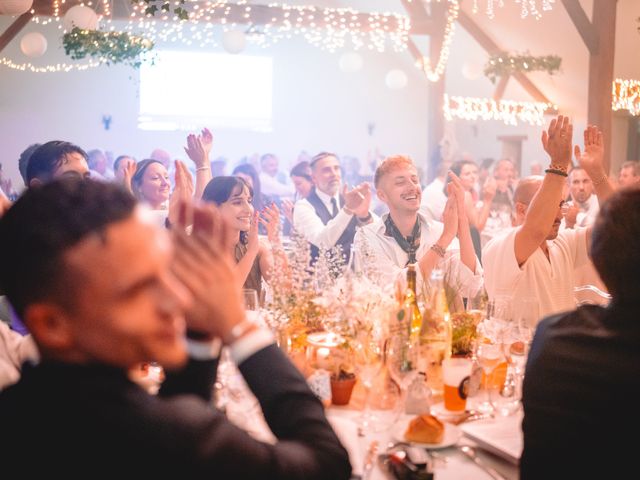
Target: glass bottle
x=411, y=303
x=435, y=333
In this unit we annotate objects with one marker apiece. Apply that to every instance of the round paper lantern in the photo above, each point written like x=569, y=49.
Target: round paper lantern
x=396, y=79
x=471, y=70
x=15, y=7
x=81, y=17
x=33, y=44
x=351, y=62
x=234, y=41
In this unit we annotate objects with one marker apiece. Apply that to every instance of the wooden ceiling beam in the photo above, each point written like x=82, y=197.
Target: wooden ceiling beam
x=493, y=48
x=582, y=23
x=13, y=29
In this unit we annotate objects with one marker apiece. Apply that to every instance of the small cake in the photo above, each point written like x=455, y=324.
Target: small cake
x=425, y=429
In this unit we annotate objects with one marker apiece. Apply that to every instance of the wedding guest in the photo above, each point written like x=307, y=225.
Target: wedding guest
x=584, y=203
x=303, y=183
x=254, y=258
x=250, y=175
x=405, y=235
x=584, y=366
x=124, y=167
x=629, y=175
x=328, y=216
x=23, y=161
x=54, y=159
x=98, y=164
x=274, y=182
x=103, y=290
x=535, y=259
x=151, y=184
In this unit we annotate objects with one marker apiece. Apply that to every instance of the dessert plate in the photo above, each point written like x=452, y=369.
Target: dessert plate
x=451, y=436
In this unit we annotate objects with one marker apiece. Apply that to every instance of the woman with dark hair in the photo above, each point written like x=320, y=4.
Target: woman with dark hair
x=233, y=196
x=249, y=174
x=467, y=171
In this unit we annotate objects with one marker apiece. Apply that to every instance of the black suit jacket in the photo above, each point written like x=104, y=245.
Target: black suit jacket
x=92, y=422
x=580, y=395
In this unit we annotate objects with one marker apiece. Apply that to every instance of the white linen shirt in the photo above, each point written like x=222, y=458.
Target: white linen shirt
x=391, y=260
x=550, y=281
x=308, y=223
x=14, y=351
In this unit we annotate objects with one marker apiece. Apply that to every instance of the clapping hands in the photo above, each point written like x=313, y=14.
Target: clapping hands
x=358, y=200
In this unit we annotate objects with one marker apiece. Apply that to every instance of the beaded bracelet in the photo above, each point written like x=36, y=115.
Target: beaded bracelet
x=556, y=172
x=438, y=249
x=600, y=180
x=555, y=166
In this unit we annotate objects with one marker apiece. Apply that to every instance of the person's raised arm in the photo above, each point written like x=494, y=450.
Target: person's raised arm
x=198, y=149
x=467, y=252
x=428, y=261
x=543, y=208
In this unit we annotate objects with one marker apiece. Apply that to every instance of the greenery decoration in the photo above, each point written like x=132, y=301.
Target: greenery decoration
x=110, y=47
x=153, y=6
x=503, y=64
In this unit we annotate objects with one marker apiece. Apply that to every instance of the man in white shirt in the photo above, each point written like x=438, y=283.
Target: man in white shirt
x=584, y=202
x=273, y=182
x=406, y=236
x=533, y=259
x=325, y=217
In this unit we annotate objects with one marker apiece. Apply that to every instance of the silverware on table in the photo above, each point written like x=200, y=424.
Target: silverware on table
x=471, y=453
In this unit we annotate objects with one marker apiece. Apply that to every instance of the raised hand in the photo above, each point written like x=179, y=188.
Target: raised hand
x=253, y=242
x=206, y=139
x=358, y=200
x=129, y=171
x=557, y=141
x=287, y=210
x=489, y=189
x=204, y=266
x=450, y=216
x=182, y=192
x=197, y=151
x=592, y=157
x=270, y=218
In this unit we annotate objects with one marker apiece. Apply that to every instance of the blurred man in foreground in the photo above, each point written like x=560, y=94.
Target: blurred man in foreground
x=103, y=290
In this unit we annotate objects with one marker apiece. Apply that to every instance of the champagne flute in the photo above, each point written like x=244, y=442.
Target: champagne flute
x=402, y=361
x=368, y=359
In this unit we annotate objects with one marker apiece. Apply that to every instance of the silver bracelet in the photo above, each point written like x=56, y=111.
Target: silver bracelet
x=202, y=168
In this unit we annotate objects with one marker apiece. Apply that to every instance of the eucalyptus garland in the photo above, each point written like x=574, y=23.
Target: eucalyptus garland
x=504, y=64
x=110, y=47
x=153, y=6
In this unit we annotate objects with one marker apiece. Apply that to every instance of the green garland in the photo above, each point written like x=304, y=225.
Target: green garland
x=110, y=47
x=503, y=64
x=164, y=6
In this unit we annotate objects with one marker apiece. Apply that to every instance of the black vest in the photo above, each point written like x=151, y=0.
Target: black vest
x=345, y=240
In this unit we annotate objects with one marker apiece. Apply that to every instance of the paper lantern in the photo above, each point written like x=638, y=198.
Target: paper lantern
x=471, y=70
x=234, y=41
x=33, y=44
x=351, y=62
x=396, y=79
x=15, y=7
x=81, y=17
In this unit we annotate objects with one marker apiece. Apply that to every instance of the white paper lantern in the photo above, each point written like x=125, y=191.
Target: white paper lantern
x=396, y=79
x=351, y=62
x=80, y=16
x=234, y=41
x=15, y=7
x=471, y=70
x=33, y=44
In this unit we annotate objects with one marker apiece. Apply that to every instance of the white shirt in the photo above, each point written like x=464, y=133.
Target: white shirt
x=15, y=349
x=587, y=216
x=550, y=281
x=390, y=259
x=433, y=200
x=308, y=223
x=272, y=187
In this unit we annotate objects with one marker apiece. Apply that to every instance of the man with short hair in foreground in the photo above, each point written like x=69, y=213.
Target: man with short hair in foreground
x=582, y=377
x=103, y=290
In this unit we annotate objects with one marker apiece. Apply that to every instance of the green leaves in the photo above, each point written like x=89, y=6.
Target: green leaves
x=505, y=64
x=110, y=47
x=164, y=6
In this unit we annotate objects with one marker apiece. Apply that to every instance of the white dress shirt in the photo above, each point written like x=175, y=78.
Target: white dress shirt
x=272, y=187
x=308, y=223
x=391, y=260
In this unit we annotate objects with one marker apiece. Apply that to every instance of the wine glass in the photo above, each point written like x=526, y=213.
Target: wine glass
x=402, y=361
x=250, y=299
x=490, y=357
x=526, y=317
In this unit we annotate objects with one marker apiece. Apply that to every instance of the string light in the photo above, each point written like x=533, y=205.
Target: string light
x=533, y=8
x=425, y=62
x=507, y=111
x=58, y=67
x=626, y=96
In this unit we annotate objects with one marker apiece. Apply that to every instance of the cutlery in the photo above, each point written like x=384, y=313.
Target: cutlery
x=470, y=417
x=471, y=453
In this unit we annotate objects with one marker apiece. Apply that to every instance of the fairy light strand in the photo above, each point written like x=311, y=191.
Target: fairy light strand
x=626, y=96
x=425, y=62
x=507, y=111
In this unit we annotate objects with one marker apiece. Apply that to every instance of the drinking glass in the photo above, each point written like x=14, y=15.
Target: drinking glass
x=526, y=317
x=250, y=299
x=490, y=357
x=402, y=361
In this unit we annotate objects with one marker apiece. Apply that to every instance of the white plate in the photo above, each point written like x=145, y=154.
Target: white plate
x=451, y=436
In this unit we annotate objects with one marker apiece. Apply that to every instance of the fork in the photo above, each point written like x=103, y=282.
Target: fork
x=471, y=453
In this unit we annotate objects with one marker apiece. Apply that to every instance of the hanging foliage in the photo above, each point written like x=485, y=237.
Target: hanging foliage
x=153, y=6
x=109, y=47
x=505, y=64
